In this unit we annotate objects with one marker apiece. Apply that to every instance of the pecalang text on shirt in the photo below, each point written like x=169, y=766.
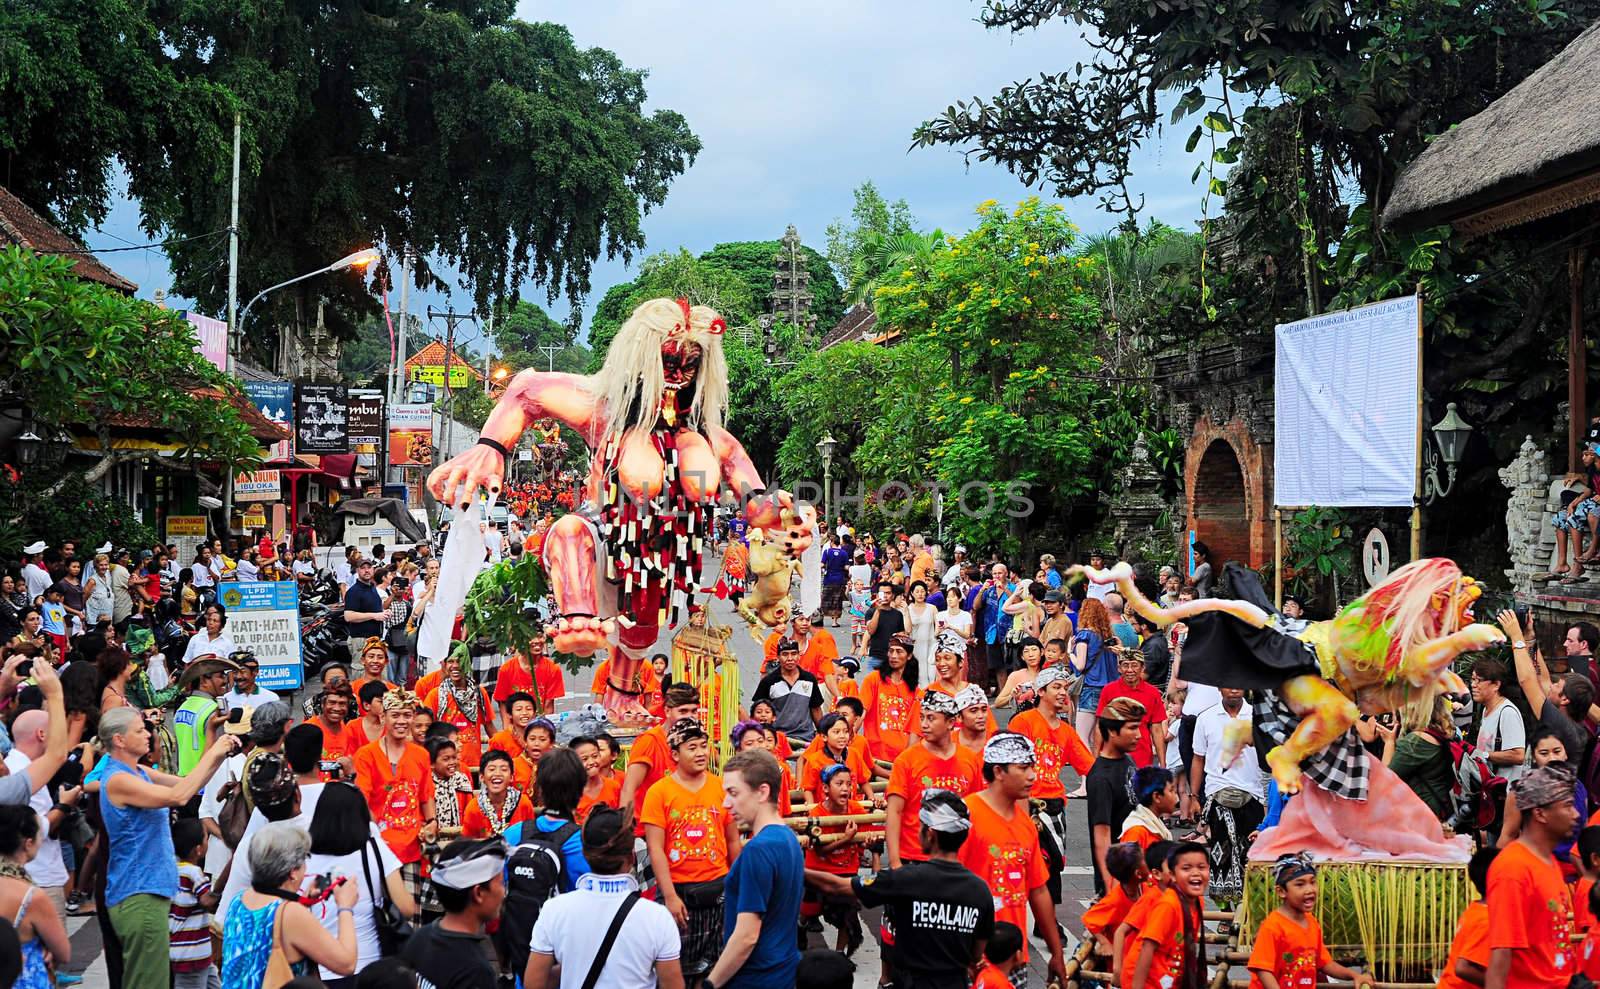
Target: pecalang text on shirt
x=935, y=915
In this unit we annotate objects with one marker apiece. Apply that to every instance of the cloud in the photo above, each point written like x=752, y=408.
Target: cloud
x=797, y=104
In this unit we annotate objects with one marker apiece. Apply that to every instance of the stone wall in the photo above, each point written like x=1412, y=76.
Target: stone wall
x=1227, y=480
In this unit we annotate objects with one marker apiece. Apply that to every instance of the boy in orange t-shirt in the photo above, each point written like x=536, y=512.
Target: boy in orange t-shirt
x=649, y=758
x=1168, y=942
x=461, y=702
x=935, y=762
x=497, y=804
x=832, y=747
x=1158, y=797
x=1530, y=924
x=692, y=839
x=1002, y=955
x=1469, y=950
x=1002, y=847
x=1289, y=951
x=520, y=709
x=1588, y=848
x=1158, y=879
x=599, y=788
x=1125, y=862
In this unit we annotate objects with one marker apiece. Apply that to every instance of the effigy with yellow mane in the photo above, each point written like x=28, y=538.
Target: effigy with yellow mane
x=1389, y=651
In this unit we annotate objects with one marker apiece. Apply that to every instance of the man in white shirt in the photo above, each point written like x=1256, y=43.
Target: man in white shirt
x=34, y=574
x=1095, y=591
x=1225, y=778
x=953, y=574
x=47, y=870
x=344, y=570
x=571, y=927
x=245, y=692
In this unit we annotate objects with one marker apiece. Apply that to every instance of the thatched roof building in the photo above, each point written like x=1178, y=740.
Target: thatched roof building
x=1530, y=154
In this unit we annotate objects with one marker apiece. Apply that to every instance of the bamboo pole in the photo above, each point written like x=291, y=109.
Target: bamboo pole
x=834, y=839
x=803, y=822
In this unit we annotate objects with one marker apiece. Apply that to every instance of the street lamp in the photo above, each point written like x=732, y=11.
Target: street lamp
x=29, y=444
x=360, y=259
x=1451, y=434
x=825, y=447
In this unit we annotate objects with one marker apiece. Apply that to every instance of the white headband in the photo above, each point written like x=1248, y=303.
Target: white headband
x=971, y=696
x=465, y=873
x=940, y=816
x=1049, y=675
x=1007, y=748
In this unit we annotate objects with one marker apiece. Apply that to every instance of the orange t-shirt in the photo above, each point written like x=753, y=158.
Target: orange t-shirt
x=610, y=790
x=1136, y=916
x=1140, y=835
x=396, y=794
x=506, y=741
x=839, y=859
x=1471, y=943
x=356, y=685
x=545, y=683
x=694, y=823
x=475, y=823
x=1529, y=908
x=1055, y=748
x=649, y=683
x=1164, y=926
x=1293, y=954
x=427, y=682
x=989, y=729
x=814, y=760
x=356, y=737
x=892, y=717
x=1107, y=912
x=334, y=743
x=469, y=733
x=847, y=688
x=917, y=770
x=1005, y=855
x=1582, y=916
x=990, y=977
x=651, y=749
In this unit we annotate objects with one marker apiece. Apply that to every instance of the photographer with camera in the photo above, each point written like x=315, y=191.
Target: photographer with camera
x=47, y=870
x=19, y=787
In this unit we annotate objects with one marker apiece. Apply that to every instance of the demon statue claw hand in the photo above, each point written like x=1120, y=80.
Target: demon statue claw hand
x=628, y=562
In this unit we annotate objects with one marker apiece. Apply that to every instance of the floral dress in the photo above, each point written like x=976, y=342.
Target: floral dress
x=35, y=968
x=247, y=945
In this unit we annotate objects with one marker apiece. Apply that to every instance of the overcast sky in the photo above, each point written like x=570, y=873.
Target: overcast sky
x=795, y=105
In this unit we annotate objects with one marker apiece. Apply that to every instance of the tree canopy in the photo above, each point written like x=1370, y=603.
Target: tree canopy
x=491, y=144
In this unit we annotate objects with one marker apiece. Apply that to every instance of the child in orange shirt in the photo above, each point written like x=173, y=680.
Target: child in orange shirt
x=599, y=789
x=832, y=748
x=1168, y=947
x=1158, y=879
x=845, y=669
x=1467, y=965
x=1289, y=951
x=497, y=804
x=841, y=858
x=1002, y=955
x=1158, y=798
x=1125, y=862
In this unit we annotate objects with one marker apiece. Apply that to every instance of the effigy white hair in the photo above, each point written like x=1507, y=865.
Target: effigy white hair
x=631, y=383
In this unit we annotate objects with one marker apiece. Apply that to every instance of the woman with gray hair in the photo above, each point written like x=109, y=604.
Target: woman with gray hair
x=268, y=918
x=142, y=869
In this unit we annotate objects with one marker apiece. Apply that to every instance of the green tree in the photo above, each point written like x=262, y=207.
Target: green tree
x=364, y=356
x=79, y=354
x=491, y=144
x=870, y=215
x=673, y=275
x=881, y=256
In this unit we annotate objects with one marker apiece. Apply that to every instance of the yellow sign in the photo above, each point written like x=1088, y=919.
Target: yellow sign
x=461, y=376
x=255, y=517
x=186, y=525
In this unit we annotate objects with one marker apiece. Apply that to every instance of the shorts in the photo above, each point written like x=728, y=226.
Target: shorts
x=1089, y=699
x=1576, y=516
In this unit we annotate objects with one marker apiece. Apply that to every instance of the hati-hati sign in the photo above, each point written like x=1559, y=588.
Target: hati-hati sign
x=264, y=617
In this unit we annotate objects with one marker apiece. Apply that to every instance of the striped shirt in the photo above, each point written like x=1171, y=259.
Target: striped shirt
x=189, y=922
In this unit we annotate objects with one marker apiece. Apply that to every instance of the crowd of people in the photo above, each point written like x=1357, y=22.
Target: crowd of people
x=449, y=827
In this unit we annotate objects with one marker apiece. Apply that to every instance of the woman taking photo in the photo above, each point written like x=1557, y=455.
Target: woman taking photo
x=1422, y=758
x=342, y=844
x=268, y=933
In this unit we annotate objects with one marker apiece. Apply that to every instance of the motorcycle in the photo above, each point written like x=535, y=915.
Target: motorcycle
x=322, y=629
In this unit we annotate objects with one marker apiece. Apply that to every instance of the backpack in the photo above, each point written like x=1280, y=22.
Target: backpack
x=535, y=872
x=1477, y=792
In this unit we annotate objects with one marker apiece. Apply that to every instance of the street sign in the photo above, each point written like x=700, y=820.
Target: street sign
x=1374, y=557
x=264, y=617
x=411, y=435
x=259, y=485
x=321, y=419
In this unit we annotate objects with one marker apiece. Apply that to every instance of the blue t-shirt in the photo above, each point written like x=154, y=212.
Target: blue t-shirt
x=1100, y=663
x=53, y=618
x=571, y=849
x=835, y=561
x=767, y=878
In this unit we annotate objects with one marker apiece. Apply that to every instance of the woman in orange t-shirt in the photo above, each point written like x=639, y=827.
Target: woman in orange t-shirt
x=893, y=714
x=496, y=805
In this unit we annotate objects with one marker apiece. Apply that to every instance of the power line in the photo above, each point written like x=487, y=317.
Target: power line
x=140, y=247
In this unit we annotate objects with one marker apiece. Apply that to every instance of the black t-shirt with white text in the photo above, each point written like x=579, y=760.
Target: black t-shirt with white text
x=938, y=911
x=448, y=960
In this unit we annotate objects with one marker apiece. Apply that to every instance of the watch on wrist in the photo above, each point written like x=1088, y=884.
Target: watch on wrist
x=1519, y=644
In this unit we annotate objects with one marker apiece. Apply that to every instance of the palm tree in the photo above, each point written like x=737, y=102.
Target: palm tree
x=881, y=254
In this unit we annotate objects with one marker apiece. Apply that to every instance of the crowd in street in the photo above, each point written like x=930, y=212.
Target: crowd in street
x=453, y=829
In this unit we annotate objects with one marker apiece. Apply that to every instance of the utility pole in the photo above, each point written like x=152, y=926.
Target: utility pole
x=233, y=313
x=551, y=350
x=397, y=374
x=451, y=319
x=488, y=354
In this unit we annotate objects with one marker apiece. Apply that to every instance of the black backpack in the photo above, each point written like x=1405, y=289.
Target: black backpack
x=535, y=872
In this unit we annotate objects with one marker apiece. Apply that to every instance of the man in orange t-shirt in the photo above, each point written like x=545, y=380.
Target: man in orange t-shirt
x=935, y=762
x=1003, y=846
x=1530, y=906
x=1056, y=745
x=536, y=674
x=396, y=776
x=649, y=758
x=334, y=722
x=369, y=726
x=461, y=702
x=1469, y=950
x=891, y=718
x=692, y=840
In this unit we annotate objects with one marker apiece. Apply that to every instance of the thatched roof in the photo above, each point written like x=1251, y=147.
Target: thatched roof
x=1537, y=147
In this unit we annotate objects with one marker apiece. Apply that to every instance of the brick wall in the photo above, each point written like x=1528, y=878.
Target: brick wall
x=1227, y=485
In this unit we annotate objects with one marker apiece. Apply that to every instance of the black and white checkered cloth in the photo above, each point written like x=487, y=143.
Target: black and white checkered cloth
x=1340, y=769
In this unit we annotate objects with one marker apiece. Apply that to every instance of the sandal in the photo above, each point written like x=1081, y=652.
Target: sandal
x=1572, y=579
